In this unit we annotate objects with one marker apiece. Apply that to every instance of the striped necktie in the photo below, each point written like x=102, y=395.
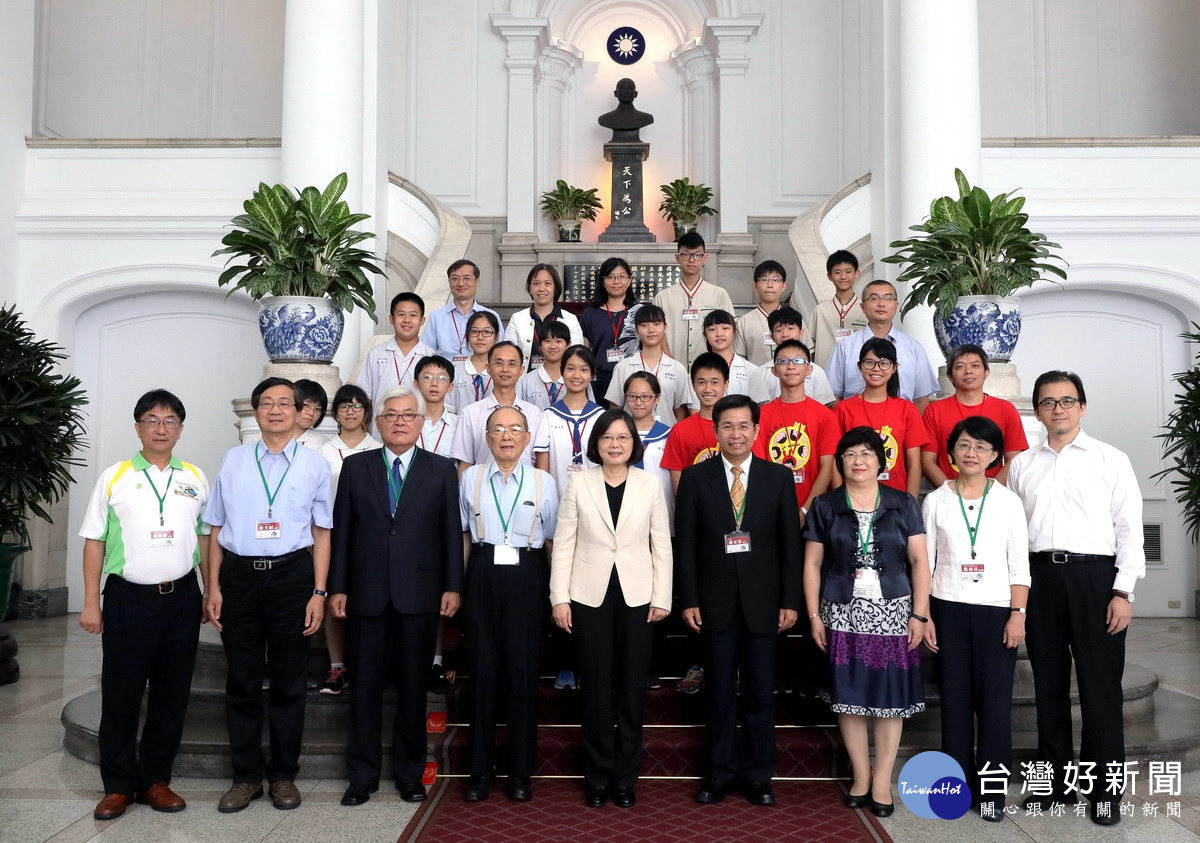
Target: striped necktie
x=737, y=492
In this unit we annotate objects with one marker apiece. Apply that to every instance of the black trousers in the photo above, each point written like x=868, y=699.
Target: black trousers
x=149, y=638
x=728, y=656
x=411, y=640
x=505, y=613
x=613, y=643
x=1067, y=608
x=262, y=615
x=976, y=685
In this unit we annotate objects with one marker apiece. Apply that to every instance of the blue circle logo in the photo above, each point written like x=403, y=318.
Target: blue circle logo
x=626, y=45
x=932, y=785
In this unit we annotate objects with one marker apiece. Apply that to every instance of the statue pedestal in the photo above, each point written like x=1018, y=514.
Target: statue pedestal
x=627, y=225
x=326, y=374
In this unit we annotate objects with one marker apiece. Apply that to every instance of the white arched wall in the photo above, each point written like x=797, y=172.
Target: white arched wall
x=1117, y=326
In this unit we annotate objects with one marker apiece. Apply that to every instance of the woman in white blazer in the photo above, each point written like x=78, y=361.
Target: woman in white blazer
x=545, y=288
x=610, y=580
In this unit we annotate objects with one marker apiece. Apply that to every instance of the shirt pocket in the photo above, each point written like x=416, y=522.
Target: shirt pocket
x=524, y=519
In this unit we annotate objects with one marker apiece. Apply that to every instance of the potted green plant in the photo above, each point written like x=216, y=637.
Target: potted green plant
x=569, y=206
x=1181, y=441
x=684, y=203
x=968, y=258
x=297, y=255
x=41, y=427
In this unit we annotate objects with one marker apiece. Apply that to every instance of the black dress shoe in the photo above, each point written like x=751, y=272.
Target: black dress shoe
x=862, y=800
x=478, y=788
x=1114, y=814
x=519, y=790
x=759, y=793
x=711, y=793
x=882, y=809
x=594, y=797
x=623, y=797
x=356, y=794
x=411, y=792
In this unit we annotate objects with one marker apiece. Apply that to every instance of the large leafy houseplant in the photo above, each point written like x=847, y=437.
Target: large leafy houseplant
x=975, y=245
x=684, y=203
x=1181, y=441
x=301, y=244
x=568, y=206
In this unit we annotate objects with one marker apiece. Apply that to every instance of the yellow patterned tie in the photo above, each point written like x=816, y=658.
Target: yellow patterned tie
x=737, y=492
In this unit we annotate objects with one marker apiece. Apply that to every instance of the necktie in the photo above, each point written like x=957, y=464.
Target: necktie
x=478, y=381
x=396, y=485
x=554, y=393
x=737, y=494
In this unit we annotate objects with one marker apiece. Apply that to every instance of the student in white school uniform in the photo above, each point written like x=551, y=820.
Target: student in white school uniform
x=310, y=413
x=753, y=337
x=689, y=301
x=393, y=363
x=787, y=324
x=434, y=377
x=528, y=328
x=544, y=385
x=471, y=379
x=672, y=377
x=719, y=331
x=560, y=447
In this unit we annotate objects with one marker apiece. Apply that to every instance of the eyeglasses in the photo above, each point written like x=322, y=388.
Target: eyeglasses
x=878, y=297
x=506, y=364
x=170, y=423
x=690, y=256
x=616, y=278
x=973, y=447
x=1051, y=403
x=881, y=365
x=632, y=398
x=769, y=279
x=434, y=379
x=616, y=438
x=502, y=429
x=355, y=407
x=795, y=361
x=859, y=456
x=408, y=417
x=269, y=405
x=312, y=407
x=730, y=427
x=462, y=279
x=481, y=332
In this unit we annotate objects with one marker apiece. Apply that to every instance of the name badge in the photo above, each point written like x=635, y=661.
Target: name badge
x=840, y=334
x=459, y=358
x=972, y=572
x=798, y=476
x=537, y=361
x=268, y=530
x=162, y=538
x=691, y=314
x=767, y=341
x=737, y=542
x=885, y=475
x=615, y=355
x=503, y=554
x=573, y=467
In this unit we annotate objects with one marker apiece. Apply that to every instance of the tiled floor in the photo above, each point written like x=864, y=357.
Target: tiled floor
x=48, y=795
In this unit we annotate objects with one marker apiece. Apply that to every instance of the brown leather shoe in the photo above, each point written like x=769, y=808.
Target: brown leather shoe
x=160, y=797
x=285, y=795
x=239, y=796
x=111, y=806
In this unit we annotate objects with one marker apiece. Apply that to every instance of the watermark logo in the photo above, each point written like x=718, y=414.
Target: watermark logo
x=932, y=785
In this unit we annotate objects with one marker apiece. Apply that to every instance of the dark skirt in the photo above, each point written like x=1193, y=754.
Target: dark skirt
x=871, y=670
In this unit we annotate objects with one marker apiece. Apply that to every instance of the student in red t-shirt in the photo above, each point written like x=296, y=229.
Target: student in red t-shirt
x=797, y=431
x=967, y=367
x=693, y=440
x=879, y=408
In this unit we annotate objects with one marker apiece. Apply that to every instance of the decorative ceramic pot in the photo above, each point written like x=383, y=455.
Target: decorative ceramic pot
x=568, y=231
x=682, y=228
x=991, y=322
x=300, y=329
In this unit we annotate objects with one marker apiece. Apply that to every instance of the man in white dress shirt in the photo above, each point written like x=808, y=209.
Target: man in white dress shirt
x=1085, y=551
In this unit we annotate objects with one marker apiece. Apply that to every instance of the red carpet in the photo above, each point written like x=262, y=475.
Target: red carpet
x=665, y=812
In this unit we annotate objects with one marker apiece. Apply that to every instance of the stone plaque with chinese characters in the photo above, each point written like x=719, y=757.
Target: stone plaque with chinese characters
x=627, y=225
x=581, y=279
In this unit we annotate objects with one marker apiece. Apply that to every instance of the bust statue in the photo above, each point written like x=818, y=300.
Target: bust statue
x=625, y=120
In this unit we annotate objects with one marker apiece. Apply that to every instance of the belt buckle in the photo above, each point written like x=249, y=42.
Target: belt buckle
x=1059, y=557
x=262, y=564
x=166, y=587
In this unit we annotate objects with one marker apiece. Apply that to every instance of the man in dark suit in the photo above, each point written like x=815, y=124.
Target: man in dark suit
x=397, y=564
x=738, y=568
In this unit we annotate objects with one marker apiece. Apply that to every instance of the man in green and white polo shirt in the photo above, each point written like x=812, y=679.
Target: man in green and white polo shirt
x=141, y=530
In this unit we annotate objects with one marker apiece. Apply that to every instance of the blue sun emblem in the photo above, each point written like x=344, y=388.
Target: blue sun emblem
x=626, y=45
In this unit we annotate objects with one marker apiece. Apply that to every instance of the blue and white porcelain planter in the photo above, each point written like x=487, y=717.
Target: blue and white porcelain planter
x=300, y=329
x=991, y=322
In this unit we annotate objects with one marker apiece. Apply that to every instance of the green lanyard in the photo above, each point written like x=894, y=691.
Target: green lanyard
x=864, y=539
x=973, y=532
x=504, y=522
x=162, y=497
x=272, y=495
x=392, y=490
x=738, y=513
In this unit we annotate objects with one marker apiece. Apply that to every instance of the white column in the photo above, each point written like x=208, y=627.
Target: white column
x=730, y=39
x=557, y=69
x=696, y=66
x=526, y=39
x=939, y=125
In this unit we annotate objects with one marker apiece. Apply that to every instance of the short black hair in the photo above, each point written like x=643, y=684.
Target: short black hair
x=861, y=435
x=506, y=344
x=649, y=313
x=785, y=316
x=606, y=420
x=1058, y=376
x=841, y=256
x=583, y=353
x=961, y=351
x=312, y=391
x=719, y=317
x=689, y=240
x=159, y=398
x=556, y=329
x=710, y=360
x=554, y=276
x=650, y=379
x=983, y=429
x=796, y=344
x=407, y=296
x=434, y=360
x=484, y=314
x=350, y=394
x=734, y=402
x=269, y=383
x=459, y=264
x=880, y=282
x=770, y=266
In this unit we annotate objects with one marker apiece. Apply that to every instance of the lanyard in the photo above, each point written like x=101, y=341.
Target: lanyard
x=577, y=437
x=973, y=532
x=163, y=496
x=439, y=439
x=864, y=539
x=460, y=336
x=695, y=291
x=395, y=363
x=656, y=368
x=504, y=522
x=552, y=390
x=615, y=324
x=842, y=314
x=392, y=490
x=272, y=495
x=537, y=341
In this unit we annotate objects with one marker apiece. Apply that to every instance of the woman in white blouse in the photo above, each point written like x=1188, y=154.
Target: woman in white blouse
x=525, y=327
x=978, y=548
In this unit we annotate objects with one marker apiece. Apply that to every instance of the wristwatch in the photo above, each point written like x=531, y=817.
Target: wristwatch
x=319, y=593
x=1020, y=609
x=1128, y=595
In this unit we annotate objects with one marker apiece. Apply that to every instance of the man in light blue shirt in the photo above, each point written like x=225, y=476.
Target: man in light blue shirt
x=918, y=380
x=446, y=328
